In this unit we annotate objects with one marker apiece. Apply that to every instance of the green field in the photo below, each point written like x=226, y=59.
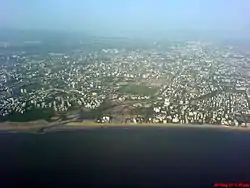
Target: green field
x=31, y=115
x=138, y=90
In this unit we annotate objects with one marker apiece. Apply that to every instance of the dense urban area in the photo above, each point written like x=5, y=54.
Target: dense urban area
x=162, y=82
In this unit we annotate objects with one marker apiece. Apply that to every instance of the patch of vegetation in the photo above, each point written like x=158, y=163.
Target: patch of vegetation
x=96, y=113
x=31, y=115
x=108, y=79
x=138, y=90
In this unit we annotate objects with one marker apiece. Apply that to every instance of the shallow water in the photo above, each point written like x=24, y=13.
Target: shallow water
x=173, y=157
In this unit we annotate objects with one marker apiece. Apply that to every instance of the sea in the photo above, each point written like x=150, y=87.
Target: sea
x=125, y=157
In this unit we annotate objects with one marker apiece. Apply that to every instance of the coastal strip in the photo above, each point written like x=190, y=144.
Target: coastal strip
x=87, y=124
x=43, y=126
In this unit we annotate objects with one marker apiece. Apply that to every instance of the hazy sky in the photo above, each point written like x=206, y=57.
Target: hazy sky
x=127, y=16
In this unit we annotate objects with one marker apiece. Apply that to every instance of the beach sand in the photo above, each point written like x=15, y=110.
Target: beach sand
x=93, y=125
x=44, y=126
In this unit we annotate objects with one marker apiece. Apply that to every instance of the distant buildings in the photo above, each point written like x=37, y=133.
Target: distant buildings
x=197, y=82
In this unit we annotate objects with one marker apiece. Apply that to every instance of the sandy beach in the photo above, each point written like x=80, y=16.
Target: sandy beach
x=42, y=126
x=127, y=125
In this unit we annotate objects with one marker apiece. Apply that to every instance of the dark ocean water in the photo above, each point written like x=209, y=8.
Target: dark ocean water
x=169, y=157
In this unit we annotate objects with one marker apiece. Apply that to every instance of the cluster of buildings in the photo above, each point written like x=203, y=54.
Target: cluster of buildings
x=196, y=82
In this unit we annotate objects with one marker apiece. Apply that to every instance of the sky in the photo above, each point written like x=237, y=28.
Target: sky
x=128, y=17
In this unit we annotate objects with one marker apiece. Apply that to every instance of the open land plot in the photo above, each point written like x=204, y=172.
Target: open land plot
x=138, y=90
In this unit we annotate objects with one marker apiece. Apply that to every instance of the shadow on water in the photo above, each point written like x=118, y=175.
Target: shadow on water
x=173, y=157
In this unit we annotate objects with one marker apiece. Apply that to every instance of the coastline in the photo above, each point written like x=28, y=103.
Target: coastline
x=32, y=126
x=42, y=126
x=79, y=125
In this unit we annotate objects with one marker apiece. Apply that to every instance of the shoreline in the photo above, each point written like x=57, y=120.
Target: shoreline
x=79, y=125
x=42, y=126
